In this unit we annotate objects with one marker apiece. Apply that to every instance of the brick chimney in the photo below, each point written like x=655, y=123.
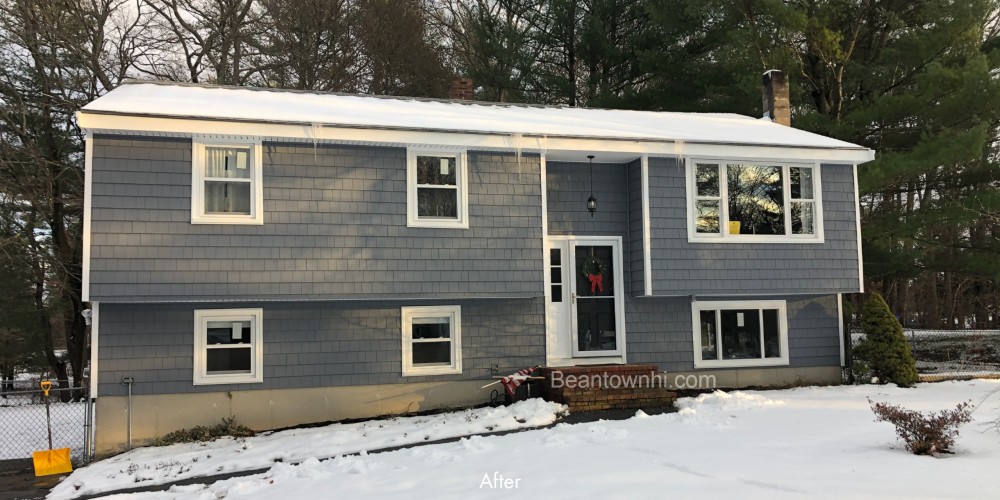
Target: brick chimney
x=461, y=89
x=776, y=104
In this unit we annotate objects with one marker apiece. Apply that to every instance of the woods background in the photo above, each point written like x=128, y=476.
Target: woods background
x=918, y=81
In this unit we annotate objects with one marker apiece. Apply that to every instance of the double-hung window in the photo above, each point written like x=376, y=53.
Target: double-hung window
x=228, y=346
x=740, y=333
x=432, y=340
x=753, y=202
x=227, y=186
x=437, y=189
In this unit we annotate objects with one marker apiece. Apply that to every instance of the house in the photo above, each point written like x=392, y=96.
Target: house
x=288, y=257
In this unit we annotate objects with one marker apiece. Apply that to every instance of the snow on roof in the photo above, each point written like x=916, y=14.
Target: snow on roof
x=350, y=110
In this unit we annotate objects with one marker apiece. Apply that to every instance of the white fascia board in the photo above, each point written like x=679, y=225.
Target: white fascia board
x=647, y=247
x=88, y=194
x=167, y=126
x=857, y=220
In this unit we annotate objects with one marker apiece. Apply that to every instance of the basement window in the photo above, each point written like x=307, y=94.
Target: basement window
x=228, y=347
x=432, y=340
x=740, y=333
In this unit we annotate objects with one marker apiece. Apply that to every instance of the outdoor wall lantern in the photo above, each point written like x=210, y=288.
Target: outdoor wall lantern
x=591, y=202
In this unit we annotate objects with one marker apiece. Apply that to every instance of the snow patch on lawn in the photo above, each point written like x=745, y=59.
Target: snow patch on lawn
x=816, y=441
x=166, y=464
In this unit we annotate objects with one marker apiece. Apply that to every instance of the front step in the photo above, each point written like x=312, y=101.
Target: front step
x=606, y=387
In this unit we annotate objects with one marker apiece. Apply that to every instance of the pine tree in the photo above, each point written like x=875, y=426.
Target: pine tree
x=885, y=349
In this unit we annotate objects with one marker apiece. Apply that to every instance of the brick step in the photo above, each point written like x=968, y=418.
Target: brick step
x=605, y=387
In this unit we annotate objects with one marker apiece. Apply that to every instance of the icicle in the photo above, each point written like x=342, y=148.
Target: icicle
x=515, y=141
x=679, y=152
x=314, y=132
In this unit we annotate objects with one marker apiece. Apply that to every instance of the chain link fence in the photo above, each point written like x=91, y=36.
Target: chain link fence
x=949, y=354
x=24, y=427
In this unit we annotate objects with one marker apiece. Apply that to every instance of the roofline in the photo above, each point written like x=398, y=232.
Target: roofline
x=459, y=131
x=466, y=102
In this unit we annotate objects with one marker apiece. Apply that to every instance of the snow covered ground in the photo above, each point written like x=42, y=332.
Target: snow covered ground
x=819, y=441
x=159, y=465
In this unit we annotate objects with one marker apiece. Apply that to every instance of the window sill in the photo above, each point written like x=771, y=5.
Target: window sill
x=741, y=363
x=754, y=239
x=443, y=370
x=438, y=224
x=228, y=379
x=233, y=221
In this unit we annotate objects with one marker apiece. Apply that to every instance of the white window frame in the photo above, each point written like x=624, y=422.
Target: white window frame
x=461, y=188
x=718, y=306
x=201, y=319
x=198, y=215
x=454, y=315
x=723, y=236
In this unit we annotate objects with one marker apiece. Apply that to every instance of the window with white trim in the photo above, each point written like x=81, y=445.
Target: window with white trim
x=740, y=333
x=228, y=346
x=227, y=187
x=437, y=189
x=753, y=202
x=432, y=340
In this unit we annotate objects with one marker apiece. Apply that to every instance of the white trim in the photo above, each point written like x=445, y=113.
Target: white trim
x=454, y=315
x=698, y=306
x=163, y=126
x=546, y=256
x=616, y=243
x=200, y=368
x=840, y=327
x=647, y=246
x=88, y=206
x=461, y=189
x=857, y=220
x=95, y=321
x=723, y=235
x=198, y=215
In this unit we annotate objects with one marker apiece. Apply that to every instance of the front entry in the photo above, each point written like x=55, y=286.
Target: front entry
x=585, y=316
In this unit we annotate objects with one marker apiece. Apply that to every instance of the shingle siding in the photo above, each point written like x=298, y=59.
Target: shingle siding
x=660, y=331
x=334, y=227
x=310, y=344
x=683, y=268
x=636, y=255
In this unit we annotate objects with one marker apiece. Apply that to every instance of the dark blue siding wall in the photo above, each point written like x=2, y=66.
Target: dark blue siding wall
x=568, y=189
x=660, y=331
x=635, y=256
x=334, y=227
x=683, y=268
x=311, y=344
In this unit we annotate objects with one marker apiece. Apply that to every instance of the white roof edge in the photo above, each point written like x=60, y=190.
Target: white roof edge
x=122, y=124
x=166, y=107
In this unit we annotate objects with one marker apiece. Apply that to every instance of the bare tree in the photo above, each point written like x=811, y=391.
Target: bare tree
x=215, y=38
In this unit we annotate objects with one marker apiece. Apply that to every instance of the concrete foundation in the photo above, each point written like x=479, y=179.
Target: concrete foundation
x=156, y=415
x=753, y=377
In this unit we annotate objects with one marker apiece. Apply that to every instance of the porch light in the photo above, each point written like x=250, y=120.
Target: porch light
x=591, y=202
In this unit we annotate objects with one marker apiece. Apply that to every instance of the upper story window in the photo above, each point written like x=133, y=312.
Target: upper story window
x=227, y=187
x=754, y=202
x=437, y=189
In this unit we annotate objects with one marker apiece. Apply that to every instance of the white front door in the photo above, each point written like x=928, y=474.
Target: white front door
x=585, y=319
